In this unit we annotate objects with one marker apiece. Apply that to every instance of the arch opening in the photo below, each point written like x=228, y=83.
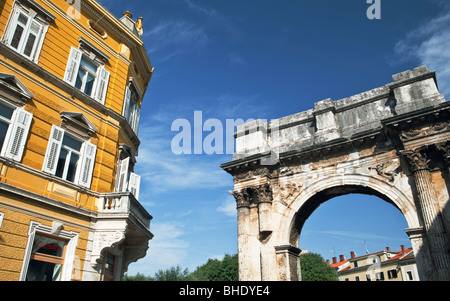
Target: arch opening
x=354, y=225
x=315, y=201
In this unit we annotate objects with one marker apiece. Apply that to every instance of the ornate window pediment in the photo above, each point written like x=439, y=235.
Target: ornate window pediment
x=13, y=89
x=77, y=123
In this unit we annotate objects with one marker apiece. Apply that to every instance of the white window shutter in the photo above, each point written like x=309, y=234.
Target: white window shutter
x=53, y=150
x=126, y=102
x=134, y=185
x=123, y=175
x=137, y=120
x=86, y=169
x=19, y=133
x=33, y=39
x=73, y=65
x=101, y=86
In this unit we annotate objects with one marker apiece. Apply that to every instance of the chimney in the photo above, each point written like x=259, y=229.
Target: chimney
x=128, y=14
x=352, y=254
x=403, y=249
x=341, y=258
x=334, y=260
x=388, y=249
x=328, y=261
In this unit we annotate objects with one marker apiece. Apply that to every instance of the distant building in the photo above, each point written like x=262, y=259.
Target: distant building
x=385, y=265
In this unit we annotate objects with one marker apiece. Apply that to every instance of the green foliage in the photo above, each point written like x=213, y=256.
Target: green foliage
x=172, y=274
x=218, y=270
x=314, y=268
x=138, y=277
x=214, y=270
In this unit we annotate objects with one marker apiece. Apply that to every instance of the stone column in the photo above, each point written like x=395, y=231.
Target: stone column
x=436, y=236
x=248, y=243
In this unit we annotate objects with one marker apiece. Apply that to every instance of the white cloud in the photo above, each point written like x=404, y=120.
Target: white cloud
x=228, y=207
x=430, y=44
x=166, y=249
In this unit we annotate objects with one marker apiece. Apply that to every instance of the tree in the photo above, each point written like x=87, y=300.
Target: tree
x=172, y=274
x=214, y=270
x=138, y=277
x=218, y=270
x=314, y=268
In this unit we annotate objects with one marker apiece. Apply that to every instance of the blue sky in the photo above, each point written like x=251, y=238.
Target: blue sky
x=265, y=59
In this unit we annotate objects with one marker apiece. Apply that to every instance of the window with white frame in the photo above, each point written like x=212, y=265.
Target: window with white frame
x=87, y=74
x=26, y=28
x=2, y=215
x=127, y=180
x=50, y=254
x=69, y=157
x=131, y=109
x=14, y=128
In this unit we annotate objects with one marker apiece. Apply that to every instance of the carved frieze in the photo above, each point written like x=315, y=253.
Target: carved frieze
x=289, y=192
x=435, y=128
x=248, y=174
x=388, y=170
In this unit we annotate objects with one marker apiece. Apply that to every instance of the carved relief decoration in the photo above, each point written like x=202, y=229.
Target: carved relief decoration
x=289, y=192
x=103, y=240
x=388, y=170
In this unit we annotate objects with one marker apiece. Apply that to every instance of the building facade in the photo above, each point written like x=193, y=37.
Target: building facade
x=384, y=265
x=72, y=79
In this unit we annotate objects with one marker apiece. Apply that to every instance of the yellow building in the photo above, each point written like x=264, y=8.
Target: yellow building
x=72, y=78
x=385, y=265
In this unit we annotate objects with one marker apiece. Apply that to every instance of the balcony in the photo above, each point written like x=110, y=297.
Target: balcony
x=123, y=203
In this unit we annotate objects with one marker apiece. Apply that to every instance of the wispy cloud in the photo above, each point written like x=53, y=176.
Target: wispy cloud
x=430, y=45
x=166, y=249
x=169, y=38
x=228, y=207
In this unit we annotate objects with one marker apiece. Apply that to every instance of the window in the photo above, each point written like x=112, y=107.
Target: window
x=357, y=278
x=26, y=29
x=50, y=253
x=70, y=158
x=379, y=276
x=409, y=275
x=14, y=127
x=47, y=259
x=87, y=75
x=392, y=274
x=127, y=180
x=131, y=109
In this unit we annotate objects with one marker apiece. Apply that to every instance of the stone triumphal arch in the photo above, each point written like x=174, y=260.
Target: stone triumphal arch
x=392, y=142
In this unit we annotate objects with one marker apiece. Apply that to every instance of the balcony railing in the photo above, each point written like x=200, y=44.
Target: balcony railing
x=124, y=203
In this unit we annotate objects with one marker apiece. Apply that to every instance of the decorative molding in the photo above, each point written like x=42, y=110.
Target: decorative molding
x=105, y=239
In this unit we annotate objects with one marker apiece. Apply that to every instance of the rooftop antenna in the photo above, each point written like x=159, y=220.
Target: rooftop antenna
x=365, y=245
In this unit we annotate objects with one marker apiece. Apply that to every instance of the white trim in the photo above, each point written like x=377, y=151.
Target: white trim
x=36, y=227
x=2, y=215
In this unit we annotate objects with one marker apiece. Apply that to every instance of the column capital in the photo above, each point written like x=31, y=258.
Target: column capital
x=253, y=195
x=417, y=159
